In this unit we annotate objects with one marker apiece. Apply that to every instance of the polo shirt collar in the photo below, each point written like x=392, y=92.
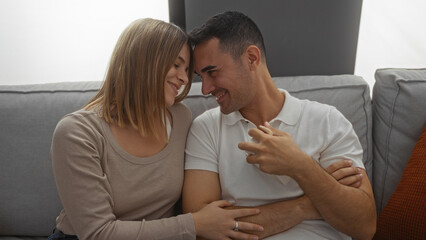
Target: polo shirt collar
x=232, y=118
x=289, y=114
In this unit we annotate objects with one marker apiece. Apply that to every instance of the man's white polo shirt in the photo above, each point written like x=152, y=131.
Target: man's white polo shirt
x=319, y=130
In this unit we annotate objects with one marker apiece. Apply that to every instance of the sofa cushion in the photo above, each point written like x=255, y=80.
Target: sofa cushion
x=348, y=93
x=29, y=202
x=29, y=114
x=404, y=216
x=399, y=103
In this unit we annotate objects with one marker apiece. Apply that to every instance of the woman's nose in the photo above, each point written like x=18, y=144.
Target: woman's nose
x=183, y=76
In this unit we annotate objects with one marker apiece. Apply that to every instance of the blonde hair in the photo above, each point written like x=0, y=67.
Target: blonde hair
x=133, y=90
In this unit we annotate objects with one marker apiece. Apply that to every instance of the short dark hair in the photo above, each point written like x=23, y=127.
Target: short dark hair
x=234, y=30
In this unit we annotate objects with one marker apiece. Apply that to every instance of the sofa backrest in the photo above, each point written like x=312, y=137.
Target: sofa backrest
x=399, y=108
x=29, y=202
x=348, y=93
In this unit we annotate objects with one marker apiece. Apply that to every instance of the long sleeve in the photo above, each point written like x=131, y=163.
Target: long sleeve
x=91, y=188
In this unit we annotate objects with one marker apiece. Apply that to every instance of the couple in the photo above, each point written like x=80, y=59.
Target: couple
x=119, y=162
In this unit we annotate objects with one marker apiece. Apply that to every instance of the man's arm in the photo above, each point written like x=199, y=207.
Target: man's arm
x=202, y=187
x=301, y=209
x=349, y=210
x=332, y=199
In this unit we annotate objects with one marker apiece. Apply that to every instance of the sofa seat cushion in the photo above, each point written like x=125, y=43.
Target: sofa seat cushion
x=404, y=216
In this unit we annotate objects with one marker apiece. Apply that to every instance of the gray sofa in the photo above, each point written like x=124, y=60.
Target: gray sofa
x=388, y=127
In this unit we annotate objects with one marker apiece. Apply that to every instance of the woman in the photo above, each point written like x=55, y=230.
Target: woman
x=118, y=163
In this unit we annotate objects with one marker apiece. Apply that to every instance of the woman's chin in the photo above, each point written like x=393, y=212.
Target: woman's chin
x=170, y=102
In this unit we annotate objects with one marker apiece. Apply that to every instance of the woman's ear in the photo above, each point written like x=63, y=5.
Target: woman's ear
x=253, y=55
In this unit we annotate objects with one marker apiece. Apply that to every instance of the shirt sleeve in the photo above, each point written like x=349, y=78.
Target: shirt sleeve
x=201, y=145
x=84, y=191
x=342, y=141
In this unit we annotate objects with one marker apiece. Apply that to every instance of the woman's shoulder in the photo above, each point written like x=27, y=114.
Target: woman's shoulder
x=83, y=122
x=181, y=110
x=77, y=117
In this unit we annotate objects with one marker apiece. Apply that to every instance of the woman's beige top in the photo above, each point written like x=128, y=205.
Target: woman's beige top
x=107, y=193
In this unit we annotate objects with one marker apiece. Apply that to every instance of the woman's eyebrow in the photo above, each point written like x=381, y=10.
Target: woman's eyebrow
x=181, y=58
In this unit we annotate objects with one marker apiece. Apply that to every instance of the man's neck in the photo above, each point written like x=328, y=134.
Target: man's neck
x=267, y=104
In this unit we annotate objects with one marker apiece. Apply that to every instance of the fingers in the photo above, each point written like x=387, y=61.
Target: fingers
x=249, y=147
x=242, y=235
x=274, y=131
x=253, y=159
x=243, y=212
x=242, y=230
x=353, y=181
x=256, y=133
x=338, y=165
x=356, y=185
x=249, y=227
x=221, y=203
x=266, y=130
x=345, y=173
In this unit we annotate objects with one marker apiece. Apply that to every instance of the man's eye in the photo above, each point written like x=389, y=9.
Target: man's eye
x=212, y=73
x=176, y=65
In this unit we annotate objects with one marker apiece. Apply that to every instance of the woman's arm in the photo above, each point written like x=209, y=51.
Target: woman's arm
x=85, y=190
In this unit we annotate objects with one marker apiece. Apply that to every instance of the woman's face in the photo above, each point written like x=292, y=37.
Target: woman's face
x=177, y=76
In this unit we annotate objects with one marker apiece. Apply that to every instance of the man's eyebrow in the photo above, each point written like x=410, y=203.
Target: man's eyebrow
x=210, y=67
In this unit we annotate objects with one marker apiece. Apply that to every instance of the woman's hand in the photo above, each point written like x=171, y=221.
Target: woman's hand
x=214, y=222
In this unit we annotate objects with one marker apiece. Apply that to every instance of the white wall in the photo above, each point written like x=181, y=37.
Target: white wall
x=71, y=40
x=65, y=40
x=392, y=35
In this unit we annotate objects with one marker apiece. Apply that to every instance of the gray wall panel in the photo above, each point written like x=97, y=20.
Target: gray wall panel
x=302, y=37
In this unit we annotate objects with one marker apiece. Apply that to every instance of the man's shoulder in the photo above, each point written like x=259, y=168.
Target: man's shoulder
x=306, y=106
x=321, y=113
x=208, y=121
x=209, y=115
x=315, y=107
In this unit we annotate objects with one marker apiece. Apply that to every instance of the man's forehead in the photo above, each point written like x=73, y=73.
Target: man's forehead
x=204, y=55
x=210, y=45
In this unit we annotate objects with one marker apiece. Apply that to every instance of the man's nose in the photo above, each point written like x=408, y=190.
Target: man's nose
x=207, y=86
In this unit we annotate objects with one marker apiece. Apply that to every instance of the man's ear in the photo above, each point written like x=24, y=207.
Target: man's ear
x=253, y=56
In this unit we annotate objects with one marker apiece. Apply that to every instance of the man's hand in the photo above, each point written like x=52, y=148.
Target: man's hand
x=281, y=216
x=350, y=210
x=276, y=154
x=345, y=174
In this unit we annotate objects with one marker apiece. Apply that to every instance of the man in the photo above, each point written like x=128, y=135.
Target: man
x=281, y=174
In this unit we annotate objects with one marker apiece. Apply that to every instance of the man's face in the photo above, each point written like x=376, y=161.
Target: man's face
x=228, y=80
